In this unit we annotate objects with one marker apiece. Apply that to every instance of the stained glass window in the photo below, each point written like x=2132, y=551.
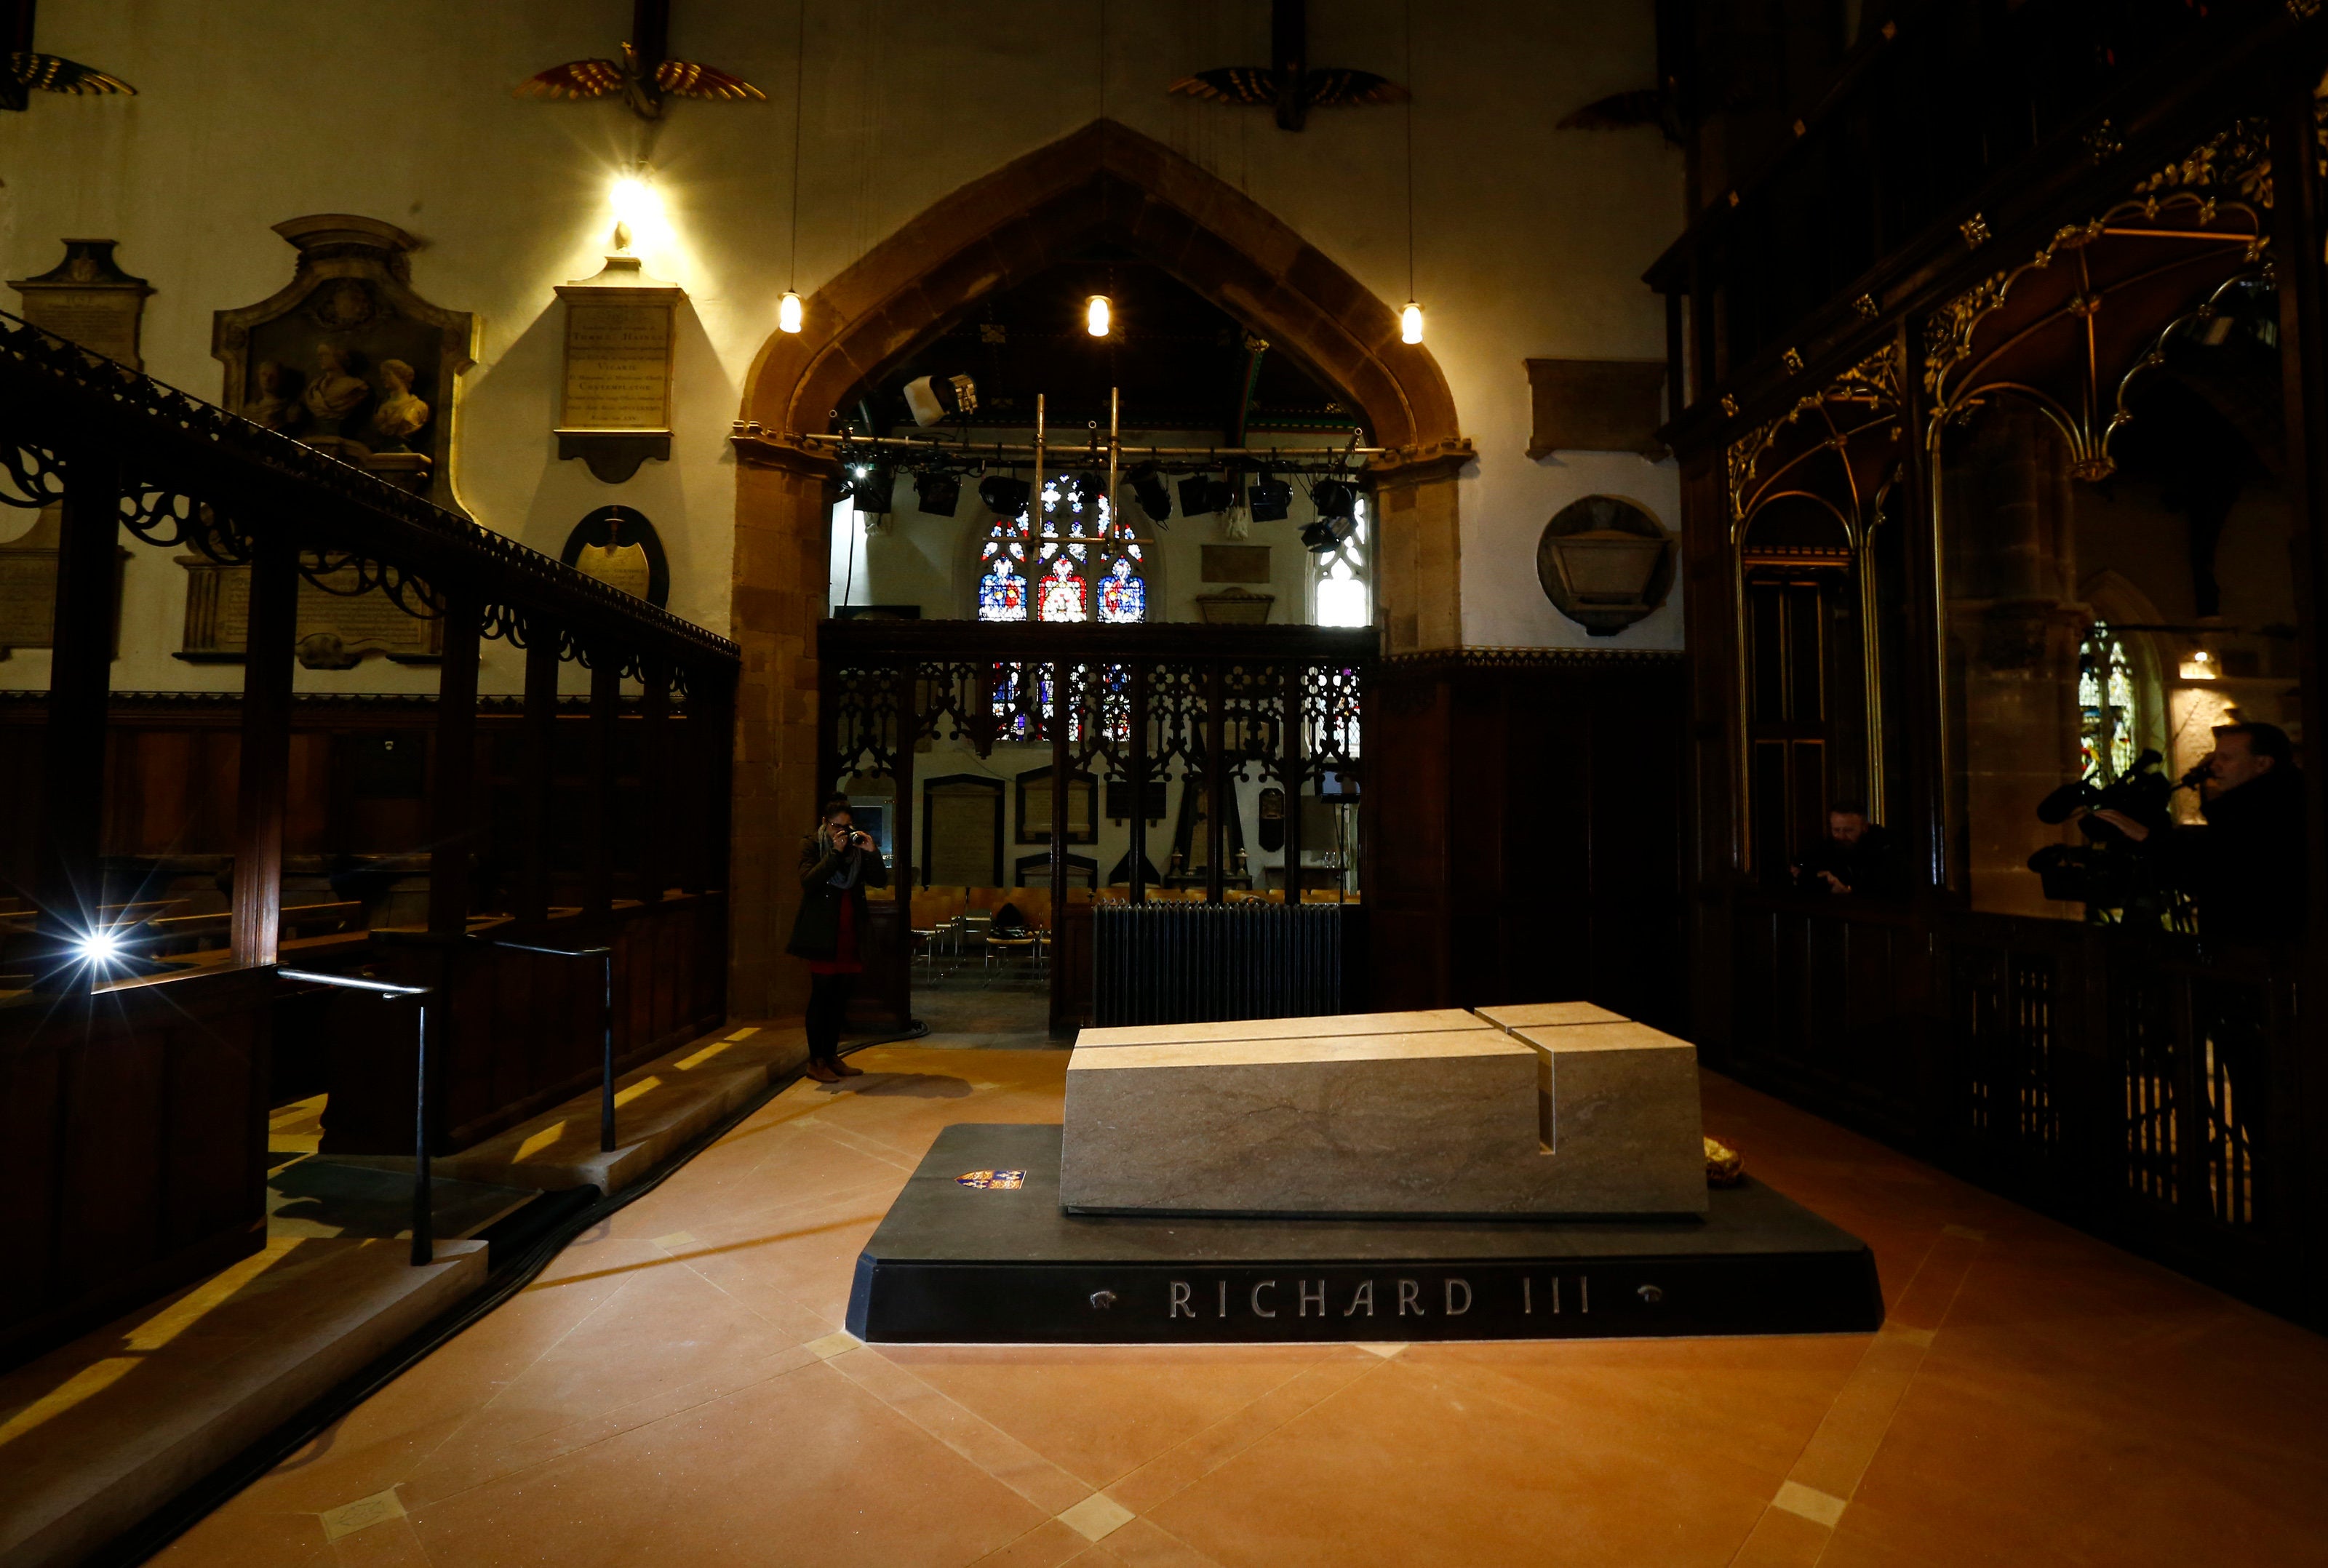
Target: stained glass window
x=1123, y=596
x=1002, y=591
x=2106, y=741
x=1063, y=591
x=1035, y=570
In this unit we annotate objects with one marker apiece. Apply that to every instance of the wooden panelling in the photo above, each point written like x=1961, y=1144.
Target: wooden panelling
x=133, y=1137
x=1524, y=833
x=512, y=1032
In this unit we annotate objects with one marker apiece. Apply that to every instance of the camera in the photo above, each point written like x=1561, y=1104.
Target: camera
x=2107, y=871
x=2140, y=792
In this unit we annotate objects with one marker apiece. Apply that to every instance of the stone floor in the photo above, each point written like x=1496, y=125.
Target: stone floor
x=676, y=1389
x=977, y=1018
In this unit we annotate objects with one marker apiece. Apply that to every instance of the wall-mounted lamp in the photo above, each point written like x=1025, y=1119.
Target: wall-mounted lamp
x=638, y=211
x=788, y=312
x=1410, y=323
x=2200, y=664
x=1099, y=311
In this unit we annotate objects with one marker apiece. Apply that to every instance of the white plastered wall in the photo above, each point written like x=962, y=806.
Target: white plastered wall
x=1528, y=241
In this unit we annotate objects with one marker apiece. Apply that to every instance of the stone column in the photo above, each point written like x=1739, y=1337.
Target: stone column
x=783, y=510
x=2007, y=529
x=1418, y=548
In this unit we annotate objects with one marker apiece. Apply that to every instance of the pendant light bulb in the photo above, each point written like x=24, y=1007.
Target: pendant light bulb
x=1410, y=323
x=788, y=312
x=1098, y=313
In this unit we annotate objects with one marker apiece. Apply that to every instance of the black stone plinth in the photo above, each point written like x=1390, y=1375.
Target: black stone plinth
x=961, y=1264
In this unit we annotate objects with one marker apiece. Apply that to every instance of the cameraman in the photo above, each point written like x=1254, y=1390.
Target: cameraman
x=1859, y=858
x=837, y=863
x=2246, y=867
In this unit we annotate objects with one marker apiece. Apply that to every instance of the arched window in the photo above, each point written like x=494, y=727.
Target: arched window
x=1002, y=586
x=2108, y=735
x=1339, y=591
x=1039, y=573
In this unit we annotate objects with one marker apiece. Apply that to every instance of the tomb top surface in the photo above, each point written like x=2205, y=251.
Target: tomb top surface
x=1622, y=1036
x=1244, y=1028
x=1443, y=1043
x=1548, y=1015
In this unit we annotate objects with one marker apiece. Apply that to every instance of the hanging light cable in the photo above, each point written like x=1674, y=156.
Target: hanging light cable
x=788, y=310
x=1099, y=310
x=1410, y=320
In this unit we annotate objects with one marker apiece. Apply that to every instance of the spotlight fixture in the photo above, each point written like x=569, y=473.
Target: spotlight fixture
x=934, y=401
x=1148, y=488
x=1334, y=499
x=99, y=947
x=940, y=492
x=1004, y=495
x=1269, y=498
x=868, y=487
x=1201, y=493
x=788, y=312
x=1099, y=311
x=1410, y=323
x=1320, y=536
x=1089, y=488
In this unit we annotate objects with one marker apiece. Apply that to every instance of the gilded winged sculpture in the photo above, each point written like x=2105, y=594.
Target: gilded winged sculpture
x=1290, y=87
x=642, y=76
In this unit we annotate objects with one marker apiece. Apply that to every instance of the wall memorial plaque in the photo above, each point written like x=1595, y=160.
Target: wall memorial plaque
x=334, y=630
x=89, y=300
x=1596, y=406
x=618, y=546
x=346, y=358
x=1236, y=563
x=28, y=584
x=619, y=338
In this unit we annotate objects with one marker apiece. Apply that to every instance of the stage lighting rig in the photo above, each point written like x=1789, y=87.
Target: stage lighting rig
x=1269, y=498
x=1005, y=495
x=1147, y=488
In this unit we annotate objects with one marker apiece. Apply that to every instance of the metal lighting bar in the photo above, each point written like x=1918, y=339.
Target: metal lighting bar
x=607, y=1048
x=424, y=1208
x=1018, y=453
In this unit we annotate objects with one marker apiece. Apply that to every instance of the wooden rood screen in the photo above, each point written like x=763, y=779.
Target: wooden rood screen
x=133, y=1105
x=1127, y=707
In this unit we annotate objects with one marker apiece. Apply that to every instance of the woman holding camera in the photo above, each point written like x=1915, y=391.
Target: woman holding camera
x=836, y=864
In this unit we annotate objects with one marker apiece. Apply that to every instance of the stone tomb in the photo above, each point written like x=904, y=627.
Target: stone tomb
x=1336, y=1117
x=1429, y=1021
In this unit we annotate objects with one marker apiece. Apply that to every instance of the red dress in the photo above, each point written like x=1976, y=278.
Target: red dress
x=844, y=960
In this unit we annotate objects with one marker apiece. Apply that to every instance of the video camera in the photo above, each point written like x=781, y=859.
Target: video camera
x=2140, y=792
x=2107, y=871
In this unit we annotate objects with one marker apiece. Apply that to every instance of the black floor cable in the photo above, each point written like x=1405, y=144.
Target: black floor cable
x=534, y=1239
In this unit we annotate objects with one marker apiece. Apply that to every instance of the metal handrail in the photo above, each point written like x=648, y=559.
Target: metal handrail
x=424, y=1208
x=606, y=1067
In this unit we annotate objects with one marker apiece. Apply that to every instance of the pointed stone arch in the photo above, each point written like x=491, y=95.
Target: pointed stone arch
x=1104, y=182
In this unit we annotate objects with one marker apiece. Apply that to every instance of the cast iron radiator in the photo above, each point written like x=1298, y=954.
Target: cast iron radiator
x=1179, y=963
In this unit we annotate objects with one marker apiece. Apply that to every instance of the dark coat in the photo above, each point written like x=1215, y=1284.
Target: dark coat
x=1874, y=868
x=2246, y=867
x=816, y=929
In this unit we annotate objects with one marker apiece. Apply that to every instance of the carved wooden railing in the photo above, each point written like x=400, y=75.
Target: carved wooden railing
x=136, y=1107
